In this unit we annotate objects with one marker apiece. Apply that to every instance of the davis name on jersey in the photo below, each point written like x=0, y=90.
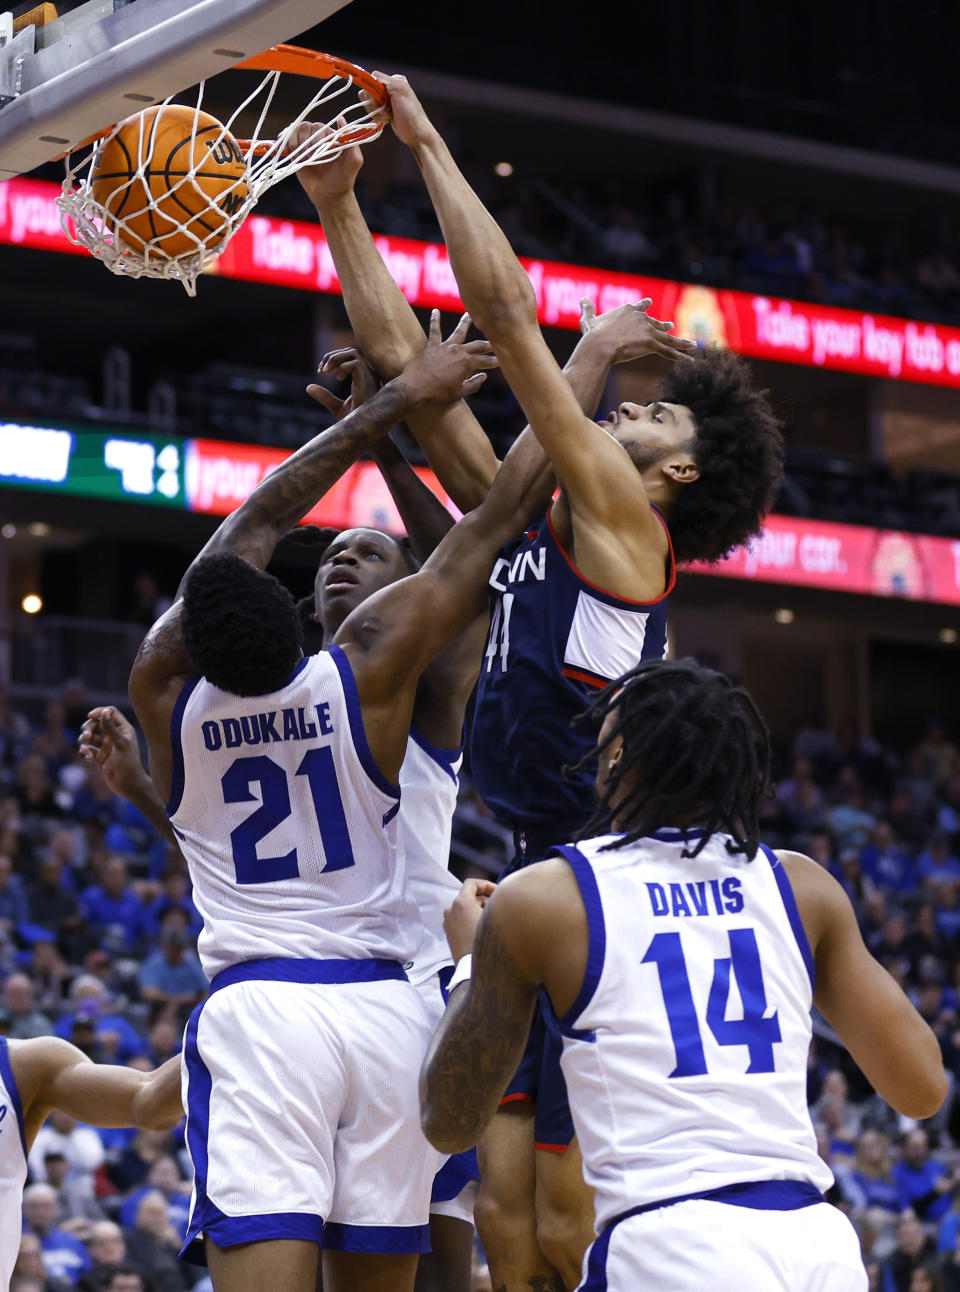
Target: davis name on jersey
x=288, y=827
x=685, y=1054
x=554, y=640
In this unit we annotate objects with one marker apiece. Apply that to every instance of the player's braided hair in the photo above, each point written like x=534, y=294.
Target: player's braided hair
x=738, y=450
x=696, y=752
x=240, y=625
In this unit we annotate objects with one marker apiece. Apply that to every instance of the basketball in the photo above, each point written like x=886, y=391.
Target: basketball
x=169, y=181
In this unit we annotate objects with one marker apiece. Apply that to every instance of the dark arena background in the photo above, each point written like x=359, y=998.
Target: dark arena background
x=781, y=180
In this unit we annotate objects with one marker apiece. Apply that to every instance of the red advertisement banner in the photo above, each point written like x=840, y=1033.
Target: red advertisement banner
x=848, y=558
x=295, y=254
x=219, y=476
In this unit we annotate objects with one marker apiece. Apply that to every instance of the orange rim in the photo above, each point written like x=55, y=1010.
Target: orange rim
x=298, y=61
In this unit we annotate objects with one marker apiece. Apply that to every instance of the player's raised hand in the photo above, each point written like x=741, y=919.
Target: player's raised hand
x=631, y=333
x=446, y=371
x=410, y=122
x=461, y=919
x=109, y=740
x=329, y=179
x=345, y=364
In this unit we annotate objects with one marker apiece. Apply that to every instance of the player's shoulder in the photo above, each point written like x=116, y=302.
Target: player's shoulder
x=35, y=1062
x=821, y=901
x=541, y=894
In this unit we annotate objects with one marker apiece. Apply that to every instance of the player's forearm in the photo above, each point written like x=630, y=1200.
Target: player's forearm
x=142, y=793
x=389, y=336
x=157, y=1103
x=383, y=322
x=284, y=496
x=424, y=516
x=588, y=370
x=493, y=284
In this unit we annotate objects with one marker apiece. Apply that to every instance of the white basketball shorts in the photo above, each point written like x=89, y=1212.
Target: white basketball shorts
x=303, y=1117
x=699, y=1244
x=455, y=1185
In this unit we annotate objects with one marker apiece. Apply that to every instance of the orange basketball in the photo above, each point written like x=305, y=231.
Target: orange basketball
x=165, y=186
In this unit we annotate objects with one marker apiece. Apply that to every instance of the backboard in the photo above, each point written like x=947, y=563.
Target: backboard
x=70, y=78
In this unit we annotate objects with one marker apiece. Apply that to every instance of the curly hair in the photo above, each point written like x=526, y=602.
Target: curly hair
x=312, y=537
x=240, y=625
x=696, y=751
x=738, y=449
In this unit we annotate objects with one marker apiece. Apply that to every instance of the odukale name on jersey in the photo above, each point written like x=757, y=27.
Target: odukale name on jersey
x=554, y=640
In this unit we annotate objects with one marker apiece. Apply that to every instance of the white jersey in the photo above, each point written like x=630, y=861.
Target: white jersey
x=289, y=829
x=429, y=779
x=13, y=1167
x=685, y=1053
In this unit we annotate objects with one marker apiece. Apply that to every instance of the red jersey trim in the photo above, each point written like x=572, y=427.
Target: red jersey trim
x=551, y=1148
x=671, y=580
x=581, y=675
x=512, y=1099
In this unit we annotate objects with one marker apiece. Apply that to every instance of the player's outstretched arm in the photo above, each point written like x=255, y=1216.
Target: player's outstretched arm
x=53, y=1074
x=603, y=488
x=110, y=741
x=386, y=328
x=481, y=1037
x=890, y=1042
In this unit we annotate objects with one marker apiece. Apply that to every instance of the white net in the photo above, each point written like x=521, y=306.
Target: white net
x=163, y=193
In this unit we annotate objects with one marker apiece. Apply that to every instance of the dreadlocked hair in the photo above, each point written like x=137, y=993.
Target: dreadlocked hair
x=696, y=752
x=240, y=625
x=738, y=450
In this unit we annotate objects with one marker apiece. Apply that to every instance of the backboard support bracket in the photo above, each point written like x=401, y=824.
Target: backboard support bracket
x=103, y=70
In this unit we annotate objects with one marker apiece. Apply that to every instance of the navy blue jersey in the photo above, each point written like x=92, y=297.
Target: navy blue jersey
x=554, y=640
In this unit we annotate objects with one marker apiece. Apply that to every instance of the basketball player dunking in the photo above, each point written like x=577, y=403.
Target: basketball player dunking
x=577, y=601
x=682, y=959
x=307, y=921
x=47, y=1073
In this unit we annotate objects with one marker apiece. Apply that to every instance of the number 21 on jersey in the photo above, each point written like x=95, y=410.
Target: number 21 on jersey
x=755, y=1030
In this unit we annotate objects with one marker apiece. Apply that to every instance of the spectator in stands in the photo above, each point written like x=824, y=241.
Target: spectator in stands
x=889, y=946
x=851, y=820
x=75, y=1198
x=171, y=979
x=30, y=1267
x=834, y=1113
x=26, y=1021
x=64, y=1256
x=34, y=794
x=947, y=810
x=925, y=939
x=801, y=799
x=54, y=742
x=885, y=863
x=13, y=902
x=153, y=1245
x=175, y=895
x=940, y=755
x=113, y=911
x=48, y=972
x=149, y=603
x=869, y=1186
x=909, y=826
x=924, y=1186
x=164, y=1177
x=913, y=1249
x=108, y=1250
x=938, y=861
x=947, y=907
x=80, y=1146
x=52, y=905
x=132, y=1165
x=116, y=1037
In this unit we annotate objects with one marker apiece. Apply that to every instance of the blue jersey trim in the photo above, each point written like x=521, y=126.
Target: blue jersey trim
x=176, y=743
x=6, y=1073
x=454, y=1176
x=290, y=969
x=395, y=1240
x=355, y=714
x=757, y=1195
x=199, y=1085
x=444, y=758
x=596, y=1279
x=388, y=816
x=597, y=943
x=793, y=914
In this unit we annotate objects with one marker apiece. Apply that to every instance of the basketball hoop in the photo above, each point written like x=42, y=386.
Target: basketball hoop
x=198, y=213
